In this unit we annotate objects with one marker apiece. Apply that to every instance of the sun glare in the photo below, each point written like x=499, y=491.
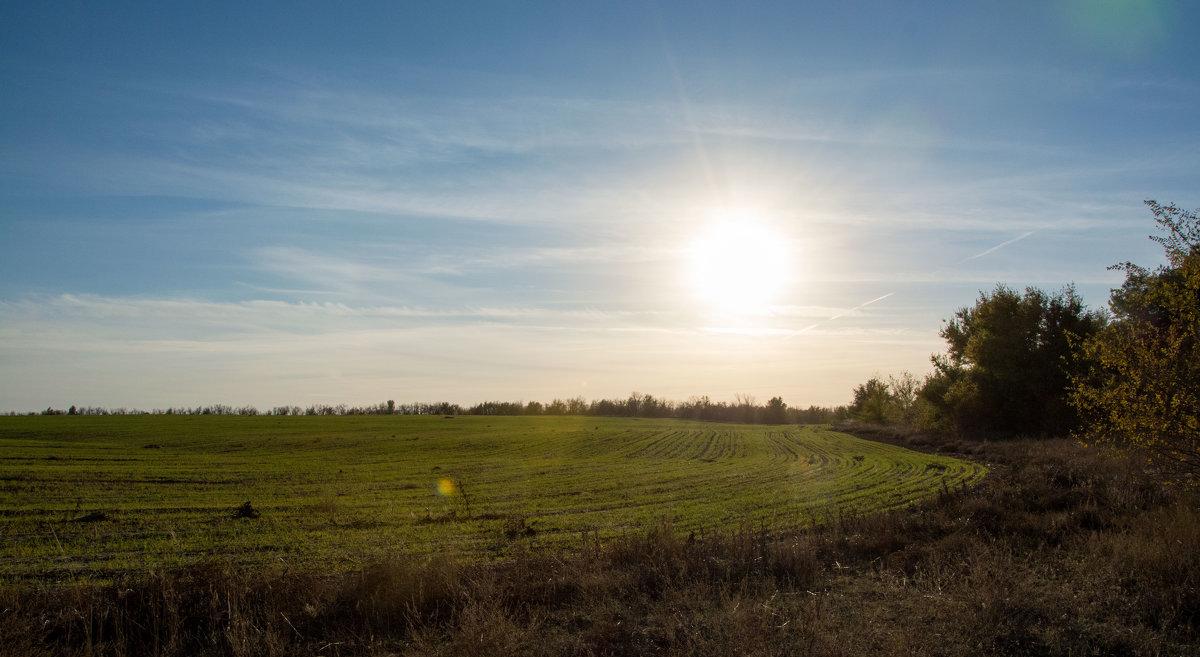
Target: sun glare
x=738, y=264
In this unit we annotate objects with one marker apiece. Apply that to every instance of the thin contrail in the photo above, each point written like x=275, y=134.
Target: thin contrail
x=839, y=315
x=881, y=298
x=999, y=246
x=861, y=305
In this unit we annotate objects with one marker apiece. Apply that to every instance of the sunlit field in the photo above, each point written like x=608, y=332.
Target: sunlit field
x=87, y=497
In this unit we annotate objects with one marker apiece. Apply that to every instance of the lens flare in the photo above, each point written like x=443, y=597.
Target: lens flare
x=445, y=487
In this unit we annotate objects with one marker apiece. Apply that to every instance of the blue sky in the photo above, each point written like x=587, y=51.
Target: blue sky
x=278, y=203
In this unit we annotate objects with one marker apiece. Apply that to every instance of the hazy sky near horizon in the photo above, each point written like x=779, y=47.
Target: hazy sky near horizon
x=295, y=203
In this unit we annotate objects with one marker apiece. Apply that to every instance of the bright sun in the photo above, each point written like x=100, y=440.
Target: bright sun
x=738, y=265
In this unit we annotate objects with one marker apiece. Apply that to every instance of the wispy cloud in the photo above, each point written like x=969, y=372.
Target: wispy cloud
x=750, y=331
x=326, y=271
x=264, y=313
x=806, y=312
x=159, y=352
x=546, y=159
x=455, y=274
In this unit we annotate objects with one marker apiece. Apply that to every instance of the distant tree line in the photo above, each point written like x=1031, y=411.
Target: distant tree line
x=743, y=409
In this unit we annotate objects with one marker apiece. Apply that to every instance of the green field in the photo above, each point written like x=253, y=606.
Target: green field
x=84, y=497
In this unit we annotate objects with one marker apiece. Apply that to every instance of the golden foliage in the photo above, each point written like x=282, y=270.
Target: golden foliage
x=1141, y=389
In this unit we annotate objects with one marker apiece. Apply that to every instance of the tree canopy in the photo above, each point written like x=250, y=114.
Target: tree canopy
x=1141, y=387
x=872, y=401
x=1009, y=363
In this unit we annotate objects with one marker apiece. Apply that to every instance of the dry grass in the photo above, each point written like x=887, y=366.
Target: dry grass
x=1062, y=551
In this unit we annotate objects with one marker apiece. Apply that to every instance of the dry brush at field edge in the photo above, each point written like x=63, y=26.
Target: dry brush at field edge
x=1061, y=552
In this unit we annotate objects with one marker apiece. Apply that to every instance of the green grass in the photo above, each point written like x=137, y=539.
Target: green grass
x=337, y=492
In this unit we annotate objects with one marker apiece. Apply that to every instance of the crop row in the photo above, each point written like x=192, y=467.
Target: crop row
x=87, y=496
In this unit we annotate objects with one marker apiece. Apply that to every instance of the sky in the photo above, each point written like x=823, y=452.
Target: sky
x=273, y=203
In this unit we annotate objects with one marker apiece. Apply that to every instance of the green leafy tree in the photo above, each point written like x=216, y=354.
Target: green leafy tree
x=1009, y=363
x=872, y=402
x=1141, y=388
